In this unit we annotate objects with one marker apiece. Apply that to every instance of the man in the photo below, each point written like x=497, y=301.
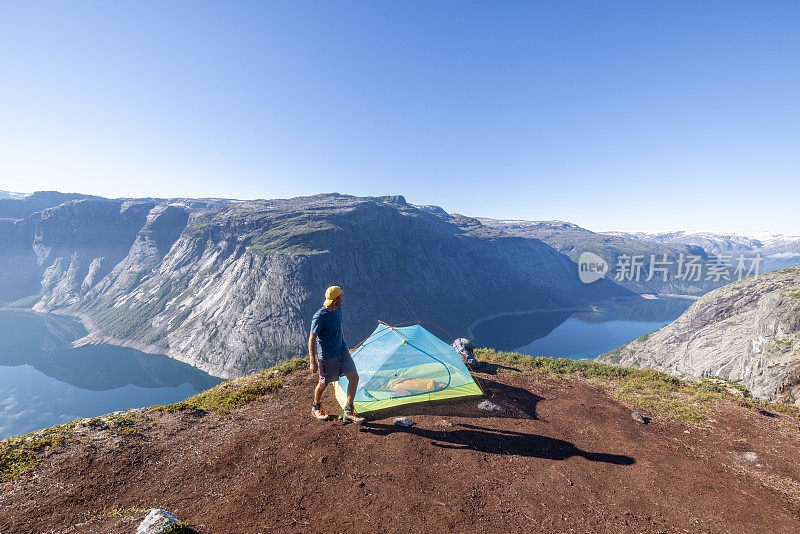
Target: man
x=335, y=360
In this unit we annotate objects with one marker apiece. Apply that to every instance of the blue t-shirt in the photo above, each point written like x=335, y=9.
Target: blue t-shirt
x=328, y=327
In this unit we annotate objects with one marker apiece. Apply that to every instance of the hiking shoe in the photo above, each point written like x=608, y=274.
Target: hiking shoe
x=352, y=417
x=319, y=413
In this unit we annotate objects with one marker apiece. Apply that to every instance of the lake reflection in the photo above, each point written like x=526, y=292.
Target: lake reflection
x=44, y=381
x=583, y=334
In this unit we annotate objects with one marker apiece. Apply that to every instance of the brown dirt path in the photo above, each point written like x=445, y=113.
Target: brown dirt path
x=563, y=457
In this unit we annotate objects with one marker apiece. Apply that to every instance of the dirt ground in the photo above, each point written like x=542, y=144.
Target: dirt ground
x=564, y=456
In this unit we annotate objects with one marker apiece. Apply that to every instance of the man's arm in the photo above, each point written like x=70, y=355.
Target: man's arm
x=312, y=352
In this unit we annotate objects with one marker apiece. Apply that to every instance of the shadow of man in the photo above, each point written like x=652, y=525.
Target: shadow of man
x=506, y=442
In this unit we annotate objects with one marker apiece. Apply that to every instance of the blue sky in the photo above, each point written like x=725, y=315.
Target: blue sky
x=613, y=115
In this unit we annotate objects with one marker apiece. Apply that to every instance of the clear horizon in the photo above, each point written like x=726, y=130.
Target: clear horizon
x=624, y=116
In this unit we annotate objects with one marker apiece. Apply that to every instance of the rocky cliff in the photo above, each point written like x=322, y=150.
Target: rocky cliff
x=748, y=331
x=230, y=286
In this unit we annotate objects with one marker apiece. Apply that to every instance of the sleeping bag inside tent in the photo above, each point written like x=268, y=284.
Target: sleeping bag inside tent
x=401, y=365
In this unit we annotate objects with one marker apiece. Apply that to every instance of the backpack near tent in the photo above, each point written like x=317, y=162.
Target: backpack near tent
x=405, y=364
x=466, y=350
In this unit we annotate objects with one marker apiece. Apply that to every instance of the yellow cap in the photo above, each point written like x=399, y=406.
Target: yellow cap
x=330, y=294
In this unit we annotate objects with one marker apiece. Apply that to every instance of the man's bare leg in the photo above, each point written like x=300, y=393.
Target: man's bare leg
x=318, y=391
x=317, y=410
x=352, y=386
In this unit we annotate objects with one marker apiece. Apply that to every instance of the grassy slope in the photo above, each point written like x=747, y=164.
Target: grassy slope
x=654, y=392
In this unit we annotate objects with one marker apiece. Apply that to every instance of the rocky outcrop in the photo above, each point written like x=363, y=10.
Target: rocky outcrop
x=748, y=331
x=230, y=287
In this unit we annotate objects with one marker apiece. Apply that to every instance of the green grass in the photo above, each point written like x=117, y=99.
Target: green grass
x=124, y=426
x=22, y=453
x=224, y=397
x=290, y=233
x=653, y=391
x=265, y=355
x=113, y=511
x=95, y=422
x=179, y=528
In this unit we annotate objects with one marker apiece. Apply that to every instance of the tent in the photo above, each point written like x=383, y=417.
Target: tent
x=405, y=364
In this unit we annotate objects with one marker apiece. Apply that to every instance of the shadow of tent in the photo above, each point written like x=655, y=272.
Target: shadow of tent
x=488, y=368
x=505, y=442
x=517, y=403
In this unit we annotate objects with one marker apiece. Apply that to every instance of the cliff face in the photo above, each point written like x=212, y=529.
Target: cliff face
x=748, y=331
x=231, y=286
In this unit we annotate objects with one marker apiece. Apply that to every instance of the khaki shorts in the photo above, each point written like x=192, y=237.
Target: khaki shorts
x=330, y=369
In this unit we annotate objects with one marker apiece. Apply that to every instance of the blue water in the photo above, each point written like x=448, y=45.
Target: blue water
x=44, y=381
x=581, y=334
x=576, y=338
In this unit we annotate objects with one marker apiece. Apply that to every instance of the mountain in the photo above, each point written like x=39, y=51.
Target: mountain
x=573, y=240
x=230, y=286
x=17, y=205
x=716, y=243
x=778, y=250
x=747, y=331
x=11, y=194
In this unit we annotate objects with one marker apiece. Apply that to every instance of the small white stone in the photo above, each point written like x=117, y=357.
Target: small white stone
x=750, y=456
x=404, y=421
x=489, y=406
x=156, y=522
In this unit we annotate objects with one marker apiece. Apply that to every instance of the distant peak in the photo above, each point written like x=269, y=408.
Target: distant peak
x=392, y=199
x=433, y=210
x=523, y=223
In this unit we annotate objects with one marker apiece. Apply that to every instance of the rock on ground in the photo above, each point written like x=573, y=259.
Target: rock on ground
x=404, y=421
x=156, y=522
x=489, y=406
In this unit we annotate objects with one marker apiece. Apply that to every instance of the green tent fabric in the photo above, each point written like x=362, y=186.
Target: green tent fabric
x=402, y=365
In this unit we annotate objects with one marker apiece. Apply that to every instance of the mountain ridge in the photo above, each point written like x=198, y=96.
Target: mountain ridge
x=770, y=251
x=230, y=286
